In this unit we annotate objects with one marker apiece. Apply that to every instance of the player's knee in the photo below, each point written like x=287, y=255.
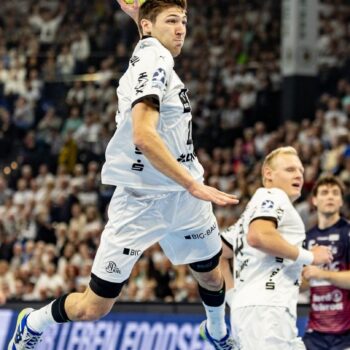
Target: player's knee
x=207, y=272
x=93, y=306
x=211, y=280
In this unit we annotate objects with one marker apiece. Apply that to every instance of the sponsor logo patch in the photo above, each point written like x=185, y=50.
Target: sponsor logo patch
x=134, y=60
x=279, y=213
x=267, y=204
x=185, y=100
x=132, y=252
x=144, y=45
x=112, y=267
x=184, y=158
x=334, y=237
x=138, y=166
x=142, y=82
x=159, y=79
x=202, y=235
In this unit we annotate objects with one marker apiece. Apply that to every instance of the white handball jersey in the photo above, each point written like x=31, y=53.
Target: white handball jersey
x=150, y=76
x=262, y=279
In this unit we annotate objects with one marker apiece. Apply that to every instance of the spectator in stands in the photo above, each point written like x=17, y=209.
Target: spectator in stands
x=46, y=20
x=23, y=116
x=7, y=279
x=6, y=134
x=65, y=62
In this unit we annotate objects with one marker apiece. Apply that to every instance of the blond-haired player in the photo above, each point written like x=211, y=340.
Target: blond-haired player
x=267, y=242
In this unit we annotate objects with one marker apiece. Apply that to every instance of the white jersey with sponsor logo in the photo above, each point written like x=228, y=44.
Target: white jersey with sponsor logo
x=150, y=76
x=262, y=279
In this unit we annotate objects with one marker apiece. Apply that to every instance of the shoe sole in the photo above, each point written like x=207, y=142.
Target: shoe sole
x=23, y=313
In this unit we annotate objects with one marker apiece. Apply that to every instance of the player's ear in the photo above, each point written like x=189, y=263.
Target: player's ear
x=314, y=201
x=341, y=202
x=267, y=173
x=146, y=26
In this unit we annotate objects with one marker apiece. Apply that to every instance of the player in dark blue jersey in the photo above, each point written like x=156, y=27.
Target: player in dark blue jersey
x=329, y=322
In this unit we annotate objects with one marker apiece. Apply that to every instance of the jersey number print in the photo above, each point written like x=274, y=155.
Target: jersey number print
x=187, y=108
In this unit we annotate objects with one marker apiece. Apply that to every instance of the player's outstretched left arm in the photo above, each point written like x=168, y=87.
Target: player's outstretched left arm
x=340, y=279
x=211, y=194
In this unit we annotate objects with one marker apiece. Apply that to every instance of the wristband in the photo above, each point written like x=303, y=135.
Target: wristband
x=305, y=257
x=229, y=297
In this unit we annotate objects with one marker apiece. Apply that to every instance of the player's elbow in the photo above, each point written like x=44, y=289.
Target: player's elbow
x=141, y=140
x=254, y=239
x=138, y=141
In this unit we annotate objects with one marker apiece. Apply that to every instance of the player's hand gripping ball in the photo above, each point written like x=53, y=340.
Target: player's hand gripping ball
x=130, y=2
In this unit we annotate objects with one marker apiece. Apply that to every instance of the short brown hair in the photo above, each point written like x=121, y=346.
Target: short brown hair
x=328, y=180
x=150, y=9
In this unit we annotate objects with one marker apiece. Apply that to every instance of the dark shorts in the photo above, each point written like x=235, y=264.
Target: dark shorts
x=326, y=341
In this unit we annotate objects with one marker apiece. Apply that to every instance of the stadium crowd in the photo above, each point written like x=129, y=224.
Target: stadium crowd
x=59, y=61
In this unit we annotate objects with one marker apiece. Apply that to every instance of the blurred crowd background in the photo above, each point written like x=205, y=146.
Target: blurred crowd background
x=59, y=66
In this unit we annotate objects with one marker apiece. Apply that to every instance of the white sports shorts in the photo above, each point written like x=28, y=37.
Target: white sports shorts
x=184, y=226
x=265, y=328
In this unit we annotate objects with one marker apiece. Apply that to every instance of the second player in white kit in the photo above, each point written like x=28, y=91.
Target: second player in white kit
x=267, y=244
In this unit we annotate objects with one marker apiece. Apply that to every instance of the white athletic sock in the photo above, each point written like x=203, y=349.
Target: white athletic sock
x=39, y=320
x=216, y=321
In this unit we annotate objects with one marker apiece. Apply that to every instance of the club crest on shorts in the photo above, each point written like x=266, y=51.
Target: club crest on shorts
x=112, y=267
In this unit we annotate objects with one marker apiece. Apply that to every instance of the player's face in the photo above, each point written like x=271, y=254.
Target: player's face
x=328, y=199
x=170, y=29
x=287, y=173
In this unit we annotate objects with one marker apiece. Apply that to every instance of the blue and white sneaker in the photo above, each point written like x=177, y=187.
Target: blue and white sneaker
x=24, y=338
x=226, y=343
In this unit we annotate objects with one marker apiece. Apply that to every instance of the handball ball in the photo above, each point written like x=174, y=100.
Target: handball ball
x=132, y=1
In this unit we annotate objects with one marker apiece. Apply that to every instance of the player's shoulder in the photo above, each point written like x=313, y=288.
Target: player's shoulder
x=149, y=46
x=313, y=231
x=342, y=225
x=343, y=222
x=265, y=193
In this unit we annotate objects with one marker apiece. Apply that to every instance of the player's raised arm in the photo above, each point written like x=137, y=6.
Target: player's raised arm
x=131, y=8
